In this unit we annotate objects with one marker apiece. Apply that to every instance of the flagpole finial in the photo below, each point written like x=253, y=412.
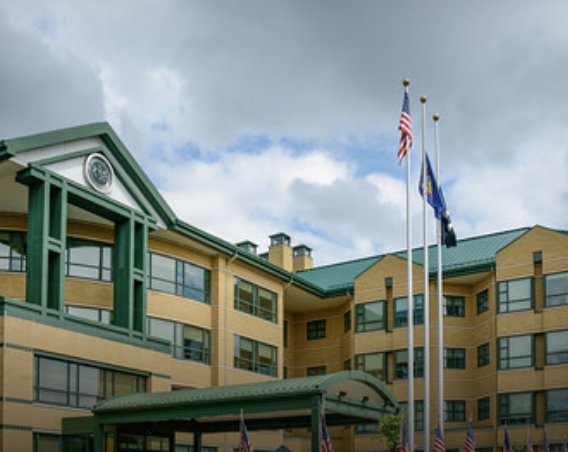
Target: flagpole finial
x=436, y=117
x=423, y=99
x=406, y=82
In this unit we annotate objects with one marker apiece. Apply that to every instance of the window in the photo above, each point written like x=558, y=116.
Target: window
x=13, y=251
x=515, y=295
x=482, y=355
x=316, y=370
x=316, y=330
x=347, y=364
x=255, y=356
x=482, y=301
x=556, y=289
x=373, y=363
x=516, y=409
x=88, y=259
x=454, y=410
x=515, y=352
x=370, y=316
x=94, y=314
x=347, y=321
x=401, y=363
x=454, y=358
x=256, y=300
x=557, y=347
x=67, y=383
x=418, y=414
x=187, y=342
x=454, y=306
x=483, y=408
x=557, y=405
x=46, y=442
x=401, y=311
x=176, y=277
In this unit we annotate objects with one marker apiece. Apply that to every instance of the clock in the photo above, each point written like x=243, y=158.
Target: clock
x=98, y=173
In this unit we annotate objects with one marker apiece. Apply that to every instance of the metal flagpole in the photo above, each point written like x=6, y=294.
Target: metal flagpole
x=426, y=286
x=436, y=118
x=410, y=365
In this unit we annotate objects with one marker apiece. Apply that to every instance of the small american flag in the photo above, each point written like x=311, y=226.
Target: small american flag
x=325, y=440
x=439, y=444
x=403, y=444
x=507, y=447
x=245, y=445
x=405, y=127
x=530, y=447
x=469, y=441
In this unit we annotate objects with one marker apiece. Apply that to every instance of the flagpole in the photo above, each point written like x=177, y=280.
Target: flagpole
x=410, y=365
x=425, y=179
x=436, y=118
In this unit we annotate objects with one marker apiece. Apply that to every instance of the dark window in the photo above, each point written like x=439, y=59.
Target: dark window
x=515, y=352
x=482, y=355
x=483, y=408
x=516, y=409
x=418, y=414
x=347, y=321
x=515, y=295
x=256, y=300
x=556, y=289
x=316, y=370
x=316, y=330
x=454, y=306
x=187, y=341
x=454, y=358
x=401, y=363
x=370, y=316
x=255, y=356
x=557, y=405
x=557, y=347
x=12, y=251
x=373, y=363
x=454, y=410
x=482, y=301
x=401, y=311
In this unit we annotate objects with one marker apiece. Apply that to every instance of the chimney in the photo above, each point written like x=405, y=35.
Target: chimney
x=302, y=258
x=280, y=251
x=249, y=246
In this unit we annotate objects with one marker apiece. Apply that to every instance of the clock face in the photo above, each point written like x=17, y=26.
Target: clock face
x=98, y=173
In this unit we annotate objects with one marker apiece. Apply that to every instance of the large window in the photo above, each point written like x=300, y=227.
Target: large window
x=454, y=410
x=370, y=316
x=373, y=363
x=12, y=251
x=401, y=363
x=516, y=409
x=401, y=311
x=88, y=259
x=557, y=347
x=516, y=352
x=482, y=300
x=256, y=300
x=418, y=414
x=515, y=295
x=315, y=330
x=67, y=383
x=557, y=405
x=454, y=306
x=177, y=277
x=483, y=408
x=482, y=355
x=187, y=342
x=556, y=289
x=255, y=356
x=454, y=358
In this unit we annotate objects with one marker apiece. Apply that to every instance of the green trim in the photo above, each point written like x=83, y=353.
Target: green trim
x=14, y=400
x=26, y=428
x=15, y=346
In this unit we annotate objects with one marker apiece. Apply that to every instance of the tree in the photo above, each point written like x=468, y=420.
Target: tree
x=389, y=429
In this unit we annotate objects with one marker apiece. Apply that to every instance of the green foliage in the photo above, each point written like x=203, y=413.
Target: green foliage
x=389, y=429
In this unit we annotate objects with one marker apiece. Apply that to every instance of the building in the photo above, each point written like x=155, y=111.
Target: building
x=104, y=291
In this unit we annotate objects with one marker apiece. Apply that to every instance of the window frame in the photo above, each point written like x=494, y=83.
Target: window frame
x=316, y=329
x=256, y=306
x=362, y=313
x=454, y=306
x=484, y=408
x=506, y=304
x=504, y=409
x=454, y=410
x=547, y=284
x=254, y=363
x=482, y=301
x=563, y=352
x=483, y=354
x=103, y=267
x=361, y=363
x=556, y=415
x=13, y=240
x=401, y=315
x=451, y=356
x=418, y=363
x=504, y=346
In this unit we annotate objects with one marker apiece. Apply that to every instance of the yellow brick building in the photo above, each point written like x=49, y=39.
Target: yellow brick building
x=105, y=292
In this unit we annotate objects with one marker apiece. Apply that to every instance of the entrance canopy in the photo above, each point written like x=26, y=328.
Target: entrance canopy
x=347, y=398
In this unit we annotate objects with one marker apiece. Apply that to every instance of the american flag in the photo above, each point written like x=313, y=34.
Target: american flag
x=403, y=444
x=325, y=440
x=245, y=445
x=564, y=445
x=530, y=447
x=439, y=444
x=546, y=445
x=507, y=447
x=405, y=127
x=469, y=441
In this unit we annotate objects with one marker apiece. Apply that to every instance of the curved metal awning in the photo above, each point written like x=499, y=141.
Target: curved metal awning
x=347, y=398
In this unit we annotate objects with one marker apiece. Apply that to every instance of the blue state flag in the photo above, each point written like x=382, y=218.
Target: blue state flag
x=433, y=196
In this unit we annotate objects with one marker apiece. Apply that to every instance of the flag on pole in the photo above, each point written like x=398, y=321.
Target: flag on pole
x=405, y=127
x=507, y=447
x=433, y=195
x=325, y=440
x=469, y=441
x=403, y=444
x=546, y=445
x=448, y=233
x=564, y=445
x=439, y=444
x=245, y=445
x=530, y=447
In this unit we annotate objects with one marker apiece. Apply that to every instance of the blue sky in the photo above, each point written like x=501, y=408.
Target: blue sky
x=256, y=117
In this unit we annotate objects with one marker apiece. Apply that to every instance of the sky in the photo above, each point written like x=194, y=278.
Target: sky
x=254, y=117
